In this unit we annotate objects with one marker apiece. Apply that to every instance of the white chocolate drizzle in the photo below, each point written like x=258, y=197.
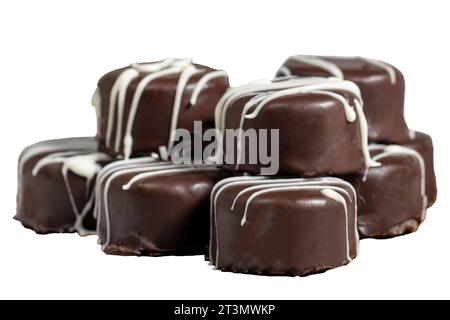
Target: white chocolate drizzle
x=383, y=65
x=54, y=158
x=263, y=92
x=321, y=63
x=82, y=162
x=328, y=186
x=334, y=195
x=363, y=127
x=96, y=102
x=412, y=135
x=187, y=73
x=285, y=71
x=168, y=67
x=142, y=176
x=315, y=88
x=53, y=146
x=204, y=81
x=251, y=89
x=128, y=139
x=334, y=70
x=118, y=92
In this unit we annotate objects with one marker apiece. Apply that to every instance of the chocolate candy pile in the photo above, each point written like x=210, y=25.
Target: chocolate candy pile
x=340, y=164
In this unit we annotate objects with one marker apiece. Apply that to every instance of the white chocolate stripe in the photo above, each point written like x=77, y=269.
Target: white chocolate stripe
x=364, y=129
x=133, y=74
x=350, y=114
x=337, y=86
x=334, y=195
x=136, y=179
x=118, y=92
x=96, y=102
x=83, y=164
x=128, y=139
x=203, y=81
x=154, y=66
x=321, y=63
x=54, y=158
x=376, y=146
x=182, y=82
x=292, y=182
x=73, y=204
x=383, y=65
x=78, y=225
x=412, y=134
x=285, y=71
x=86, y=165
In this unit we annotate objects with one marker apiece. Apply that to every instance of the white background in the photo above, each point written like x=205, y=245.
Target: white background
x=53, y=52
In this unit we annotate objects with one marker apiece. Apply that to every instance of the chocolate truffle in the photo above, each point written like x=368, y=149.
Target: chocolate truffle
x=140, y=106
x=319, y=121
x=146, y=207
x=423, y=144
x=55, y=185
x=391, y=197
x=284, y=226
x=382, y=89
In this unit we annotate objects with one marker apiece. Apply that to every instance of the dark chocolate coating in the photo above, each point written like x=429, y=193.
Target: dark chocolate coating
x=43, y=203
x=315, y=139
x=162, y=215
x=423, y=144
x=390, y=202
x=383, y=101
x=153, y=118
x=293, y=233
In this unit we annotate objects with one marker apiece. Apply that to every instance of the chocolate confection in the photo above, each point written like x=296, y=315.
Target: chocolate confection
x=423, y=144
x=282, y=226
x=146, y=207
x=322, y=128
x=391, y=197
x=55, y=185
x=140, y=106
x=382, y=89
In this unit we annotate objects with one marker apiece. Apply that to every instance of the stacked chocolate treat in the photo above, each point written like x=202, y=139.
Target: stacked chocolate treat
x=348, y=167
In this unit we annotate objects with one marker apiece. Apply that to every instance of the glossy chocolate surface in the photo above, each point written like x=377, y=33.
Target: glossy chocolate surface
x=390, y=199
x=153, y=118
x=383, y=100
x=44, y=201
x=163, y=214
x=291, y=231
x=314, y=137
x=423, y=144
